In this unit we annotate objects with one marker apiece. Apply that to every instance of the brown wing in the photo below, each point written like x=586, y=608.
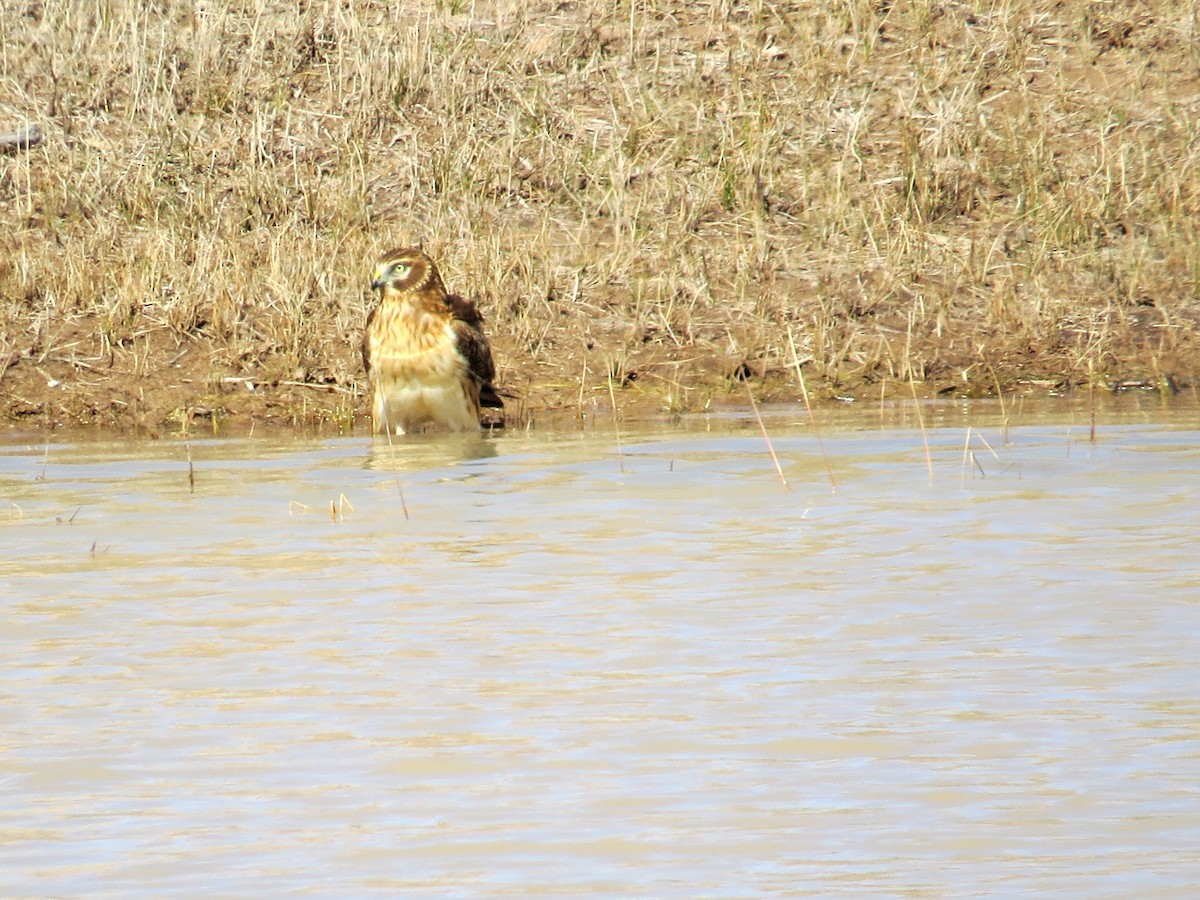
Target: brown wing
x=464, y=310
x=473, y=345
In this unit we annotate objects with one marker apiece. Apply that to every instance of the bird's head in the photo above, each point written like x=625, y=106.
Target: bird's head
x=405, y=269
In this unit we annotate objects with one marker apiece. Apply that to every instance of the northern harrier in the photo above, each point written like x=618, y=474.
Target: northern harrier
x=425, y=351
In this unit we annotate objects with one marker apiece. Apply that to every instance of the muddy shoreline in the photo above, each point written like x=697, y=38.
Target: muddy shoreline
x=159, y=383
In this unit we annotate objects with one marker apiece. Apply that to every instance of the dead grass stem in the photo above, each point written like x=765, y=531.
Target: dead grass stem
x=767, y=439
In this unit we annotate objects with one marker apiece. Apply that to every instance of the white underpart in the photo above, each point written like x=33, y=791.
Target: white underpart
x=410, y=404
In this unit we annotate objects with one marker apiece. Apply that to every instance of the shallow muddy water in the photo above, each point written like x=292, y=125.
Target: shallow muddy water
x=594, y=665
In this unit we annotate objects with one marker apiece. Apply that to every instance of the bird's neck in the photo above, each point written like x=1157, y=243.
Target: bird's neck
x=415, y=305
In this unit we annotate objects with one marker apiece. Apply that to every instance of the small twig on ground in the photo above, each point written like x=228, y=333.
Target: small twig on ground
x=309, y=384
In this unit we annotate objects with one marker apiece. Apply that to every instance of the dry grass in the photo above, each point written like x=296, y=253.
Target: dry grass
x=968, y=196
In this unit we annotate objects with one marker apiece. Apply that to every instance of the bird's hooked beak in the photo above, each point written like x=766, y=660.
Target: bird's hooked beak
x=377, y=280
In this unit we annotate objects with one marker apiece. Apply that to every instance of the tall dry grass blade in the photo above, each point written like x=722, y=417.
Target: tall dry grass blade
x=612, y=396
x=808, y=406
x=978, y=465
x=191, y=470
x=966, y=452
x=985, y=443
x=59, y=520
x=766, y=437
x=1000, y=397
x=921, y=421
x=1092, y=402
x=337, y=508
x=582, y=381
x=396, y=472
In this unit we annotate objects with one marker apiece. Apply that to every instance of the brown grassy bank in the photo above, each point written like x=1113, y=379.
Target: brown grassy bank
x=969, y=196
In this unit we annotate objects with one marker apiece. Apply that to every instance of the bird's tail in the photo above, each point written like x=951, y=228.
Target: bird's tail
x=488, y=397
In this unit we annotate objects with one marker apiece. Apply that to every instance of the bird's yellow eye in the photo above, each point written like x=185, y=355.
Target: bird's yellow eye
x=400, y=270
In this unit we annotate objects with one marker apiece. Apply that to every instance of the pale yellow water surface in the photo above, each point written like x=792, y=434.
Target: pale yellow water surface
x=585, y=666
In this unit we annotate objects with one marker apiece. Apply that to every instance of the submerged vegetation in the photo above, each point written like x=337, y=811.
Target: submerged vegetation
x=668, y=197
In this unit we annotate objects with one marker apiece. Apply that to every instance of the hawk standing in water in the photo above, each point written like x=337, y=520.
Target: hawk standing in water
x=425, y=351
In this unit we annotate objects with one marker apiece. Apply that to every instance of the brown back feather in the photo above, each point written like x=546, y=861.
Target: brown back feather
x=473, y=345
